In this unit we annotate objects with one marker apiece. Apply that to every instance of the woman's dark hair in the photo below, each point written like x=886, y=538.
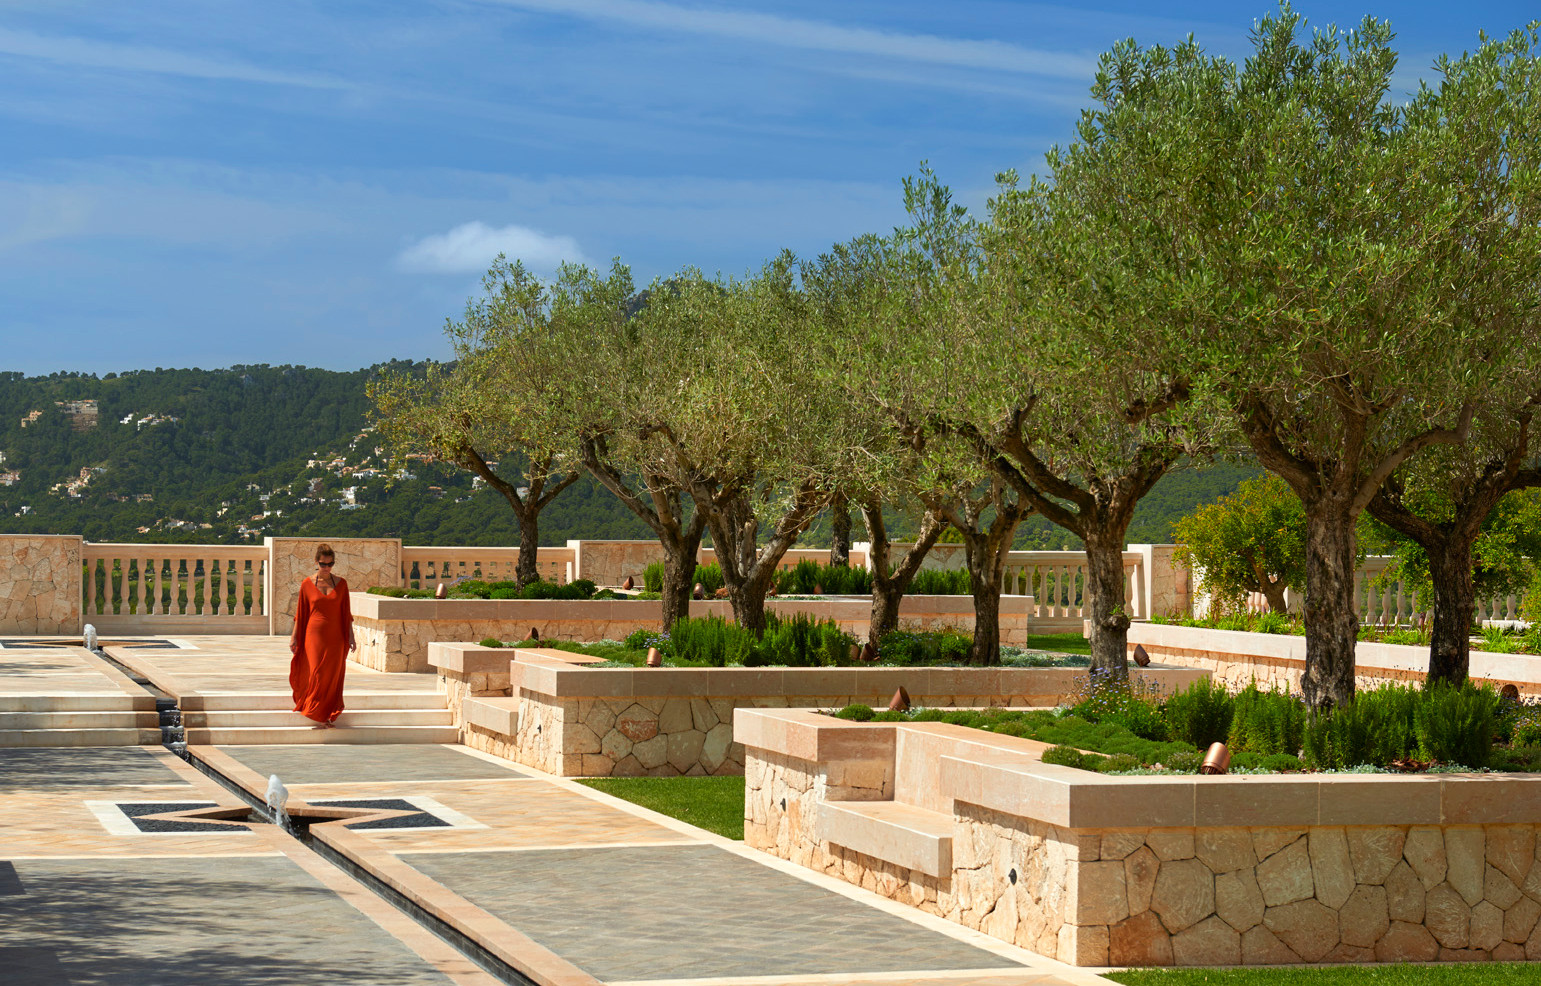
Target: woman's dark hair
x=324, y=550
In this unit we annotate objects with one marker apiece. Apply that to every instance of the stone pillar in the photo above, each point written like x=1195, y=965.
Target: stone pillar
x=364, y=562
x=1167, y=582
x=40, y=583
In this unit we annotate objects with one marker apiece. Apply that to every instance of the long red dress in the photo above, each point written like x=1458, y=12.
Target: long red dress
x=323, y=625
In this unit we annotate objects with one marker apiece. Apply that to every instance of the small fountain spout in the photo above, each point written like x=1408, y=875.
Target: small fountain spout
x=90, y=635
x=277, y=797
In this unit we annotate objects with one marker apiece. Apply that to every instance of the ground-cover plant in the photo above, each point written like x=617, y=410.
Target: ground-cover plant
x=1069, y=730
x=712, y=803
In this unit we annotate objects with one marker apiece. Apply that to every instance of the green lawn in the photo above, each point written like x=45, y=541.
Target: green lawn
x=1065, y=643
x=1447, y=974
x=713, y=803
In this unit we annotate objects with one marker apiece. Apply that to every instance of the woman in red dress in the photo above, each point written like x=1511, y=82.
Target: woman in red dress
x=322, y=638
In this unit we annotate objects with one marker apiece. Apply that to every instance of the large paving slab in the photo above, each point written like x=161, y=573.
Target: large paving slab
x=690, y=912
x=369, y=764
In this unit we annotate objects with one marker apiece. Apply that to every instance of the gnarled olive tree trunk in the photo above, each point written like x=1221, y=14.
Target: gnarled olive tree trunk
x=889, y=587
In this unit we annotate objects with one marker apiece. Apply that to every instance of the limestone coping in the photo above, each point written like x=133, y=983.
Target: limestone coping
x=1368, y=655
x=559, y=674
x=1011, y=778
x=466, y=659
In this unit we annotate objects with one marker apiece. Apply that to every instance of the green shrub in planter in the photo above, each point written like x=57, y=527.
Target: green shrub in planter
x=1455, y=724
x=1183, y=762
x=932, y=582
x=856, y=712
x=491, y=642
x=652, y=577
x=710, y=577
x=1200, y=714
x=1267, y=722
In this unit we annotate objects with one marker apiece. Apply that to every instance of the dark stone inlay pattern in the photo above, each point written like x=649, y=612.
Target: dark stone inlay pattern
x=10, y=882
x=419, y=819
x=53, y=768
x=639, y=913
x=231, y=921
x=136, y=810
x=32, y=965
x=341, y=763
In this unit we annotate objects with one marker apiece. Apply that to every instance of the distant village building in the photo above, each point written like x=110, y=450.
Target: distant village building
x=10, y=478
x=82, y=414
x=30, y=417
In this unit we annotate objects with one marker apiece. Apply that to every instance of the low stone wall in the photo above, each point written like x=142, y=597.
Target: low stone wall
x=1236, y=658
x=577, y=721
x=394, y=634
x=41, y=584
x=1097, y=870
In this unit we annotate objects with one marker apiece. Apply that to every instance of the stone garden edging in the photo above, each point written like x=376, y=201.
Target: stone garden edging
x=1149, y=870
x=546, y=709
x=1237, y=657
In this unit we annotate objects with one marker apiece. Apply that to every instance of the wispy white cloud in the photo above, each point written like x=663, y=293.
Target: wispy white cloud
x=470, y=247
x=86, y=53
x=823, y=36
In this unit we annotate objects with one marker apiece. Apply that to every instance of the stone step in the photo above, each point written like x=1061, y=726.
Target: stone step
x=270, y=718
x=284, y=701
x=80, y=737
x=913, y=837
x=79, y=720
x=262, y=736
x=85, y=702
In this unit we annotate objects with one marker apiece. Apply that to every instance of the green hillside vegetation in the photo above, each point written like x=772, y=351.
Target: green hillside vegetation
x=240, y=446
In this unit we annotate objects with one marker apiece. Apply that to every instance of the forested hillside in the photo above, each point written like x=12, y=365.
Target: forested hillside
x=224, y=456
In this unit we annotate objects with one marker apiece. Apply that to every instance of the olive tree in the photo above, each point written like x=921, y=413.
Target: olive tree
x=596, y=338
x=727, y=417
x=483, y=412
x=872, y=464
x=1296, y=222
x=1486, y=117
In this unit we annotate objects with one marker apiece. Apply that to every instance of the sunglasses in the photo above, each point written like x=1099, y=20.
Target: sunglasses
x=326, y=564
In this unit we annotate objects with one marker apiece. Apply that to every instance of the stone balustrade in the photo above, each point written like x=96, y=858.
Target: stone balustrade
x=1150, y=870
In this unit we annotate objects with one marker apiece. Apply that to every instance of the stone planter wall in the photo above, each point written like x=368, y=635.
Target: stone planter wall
x=1236, y=658
x=40, y=584
x=1097, y=870
x=576, y=721
x=394, y=634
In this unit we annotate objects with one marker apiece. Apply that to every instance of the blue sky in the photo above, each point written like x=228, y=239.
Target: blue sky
x=209, y=183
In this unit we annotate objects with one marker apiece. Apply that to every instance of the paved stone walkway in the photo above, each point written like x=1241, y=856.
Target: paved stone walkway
x=128, y=866
x=589, y=889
